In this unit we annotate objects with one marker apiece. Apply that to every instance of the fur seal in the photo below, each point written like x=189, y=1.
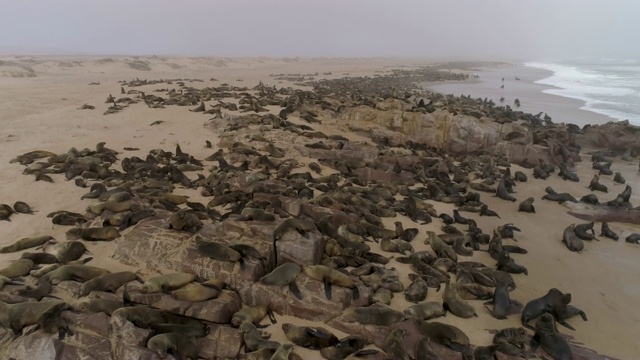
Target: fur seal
x=444, y=334
x=257, y=215
x=43, y=289
x=543, y=304
x=394, y=344
x=633, y=238
x=107, y=233
x=18, y=316
x=547, y=336
x=108, y=282
x=20, y=267
x=184, y=220
x=40, y=257
x=5, y=212
x=345, y=347
x=26, y=243
x=331, y=277
x=300, y=225
x=440, y=247
x=571, y=240
x=424, y=351
x=454, y=304
x=253, y=314
x=607, y=232
x=70, y=251
x=167, y=282
x=376, y=314
x=560, y=198
x=519, y=176
x=485, y=211
x=198, y=329
x=527, y=206
x=619, y=179
x=106, y=306
x=22, y=208
x=253, y=340
x=581, y=231
x=79, y=273
x=6, y=281
x=314, y=338
x=218, y=251
x=511, y=341
x=283, y=352
x=506, y=263
x=195, y=292
x=425, y=310
x=172, y=343
x=417, y=291
x=502, y=305
x=502, y=193
x=284, y=274
x=590, y=199
x=595, y=185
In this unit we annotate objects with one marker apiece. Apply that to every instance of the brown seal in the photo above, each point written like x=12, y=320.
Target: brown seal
x=166, y=282
x=502, y=193
x=17, y=268
x=184, y=220
x=22, y=208
x=444, y=334
x=107, y=233
x=548, y=337
x=331, y=277
x=172, y=343
x=314, y=338
x=440, y=247
x=254, y=340
x=394, y=344
x=195, y=292
x=283, y=352
x=70, y=251
x=284, y=274
x=376, y=314
x=453, y=303
x=26, y=243
x=571, y=240
x=218, y=251
x=40, y=257
x=80, y=273
x=253, y=314
x=527, y=206
x=108, y=282
x=18, y=316
x=425, y=310
x=546, y=303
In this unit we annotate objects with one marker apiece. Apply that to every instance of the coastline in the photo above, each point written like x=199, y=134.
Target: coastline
x=532, y=98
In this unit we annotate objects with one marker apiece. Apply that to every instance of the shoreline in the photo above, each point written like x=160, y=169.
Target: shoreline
x=532, y=97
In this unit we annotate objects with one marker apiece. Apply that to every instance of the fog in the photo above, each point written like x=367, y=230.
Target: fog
x=460, y=29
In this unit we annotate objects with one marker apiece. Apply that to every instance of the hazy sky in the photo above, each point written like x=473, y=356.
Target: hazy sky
x=472, y=29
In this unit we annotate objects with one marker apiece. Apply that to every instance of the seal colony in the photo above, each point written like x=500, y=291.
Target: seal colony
x=343, y=211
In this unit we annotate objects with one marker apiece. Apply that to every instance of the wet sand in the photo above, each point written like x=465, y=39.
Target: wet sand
x=41, y=113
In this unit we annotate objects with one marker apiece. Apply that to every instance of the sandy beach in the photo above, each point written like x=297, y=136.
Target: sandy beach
x=41, y=113
x=532, y=99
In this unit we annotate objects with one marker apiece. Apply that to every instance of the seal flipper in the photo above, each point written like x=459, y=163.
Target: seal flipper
x=355, y=292
x=242, y=264
x=262, y=326
x=126, y=299
x=271, y=317
x=534, y=343
x=566, y=324
x=327, y=287
x=295, y=290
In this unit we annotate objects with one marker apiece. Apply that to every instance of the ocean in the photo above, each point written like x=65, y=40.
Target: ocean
x=609, y=87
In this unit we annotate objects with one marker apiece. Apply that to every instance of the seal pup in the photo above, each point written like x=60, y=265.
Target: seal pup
x=502, y=305
x=571, y=240
x=254, y=340
x=425, y=310
x=5, y=212
x=633, y=238
x=485, y=211
x=440, y=247
x=174, y=344
x=581, y=231
x=502, y=193
x=331, y=277
x=590, y=199
x=195, y=292
x=595, y=185
x=285, y=274
x=607, y=232
x=527, y=206
x=22, y=208
x=506, y=263
x=417, y=290
x=254, y=315
x=166, y=282
x=184, y=220
x=547, y=336
x=70, y=251
x=345, y=347
x=40, y=257
x=79, y=273
x=106, y=233
x=618, y=178
x=309, y=337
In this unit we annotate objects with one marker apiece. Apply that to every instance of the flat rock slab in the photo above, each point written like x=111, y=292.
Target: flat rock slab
x=150, y=244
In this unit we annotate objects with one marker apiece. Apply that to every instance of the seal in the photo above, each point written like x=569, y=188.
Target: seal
x=440, y=247
x=394, y=345
x=571, y=240
x=253, y=340
x=590, y=199
x=257, y=215
x=22, y=207
x=560, y=198
x=106, y=306
x=42, y=290
x=106, y=233
x=425, y=310
x=527, y=206
x=376, y=314
x=79, y=273
x=546, y=303
x=502, y=305
x=51, y=322
x=70, y=251
x=444, y=334
x=108, y=282
x=18, y=316
x=485, y=211
x=417, y=290
x=502, y=193
x=6, y=281
x=5, y=212
x=547, y=336
x=20, y=267
x=26, y=243
x=309, y=337
x=485, y=352
x=581, y=231
x=619, y=179
x=283, y=352
x=345, y=347
x=218, y=251
x=331, y=277
x=506, y=263
x=40, y=257
x=595, y=185
x=607, y=232
x=195, y=292
x=511, y=341
x=174, y=344
x=284, y=274
x=454, y=304
x=190, y=330
x=166, y=282
x=253, y=314
x=184, y=220
x=424, y=351
x=300, y=225
x=633, y=238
